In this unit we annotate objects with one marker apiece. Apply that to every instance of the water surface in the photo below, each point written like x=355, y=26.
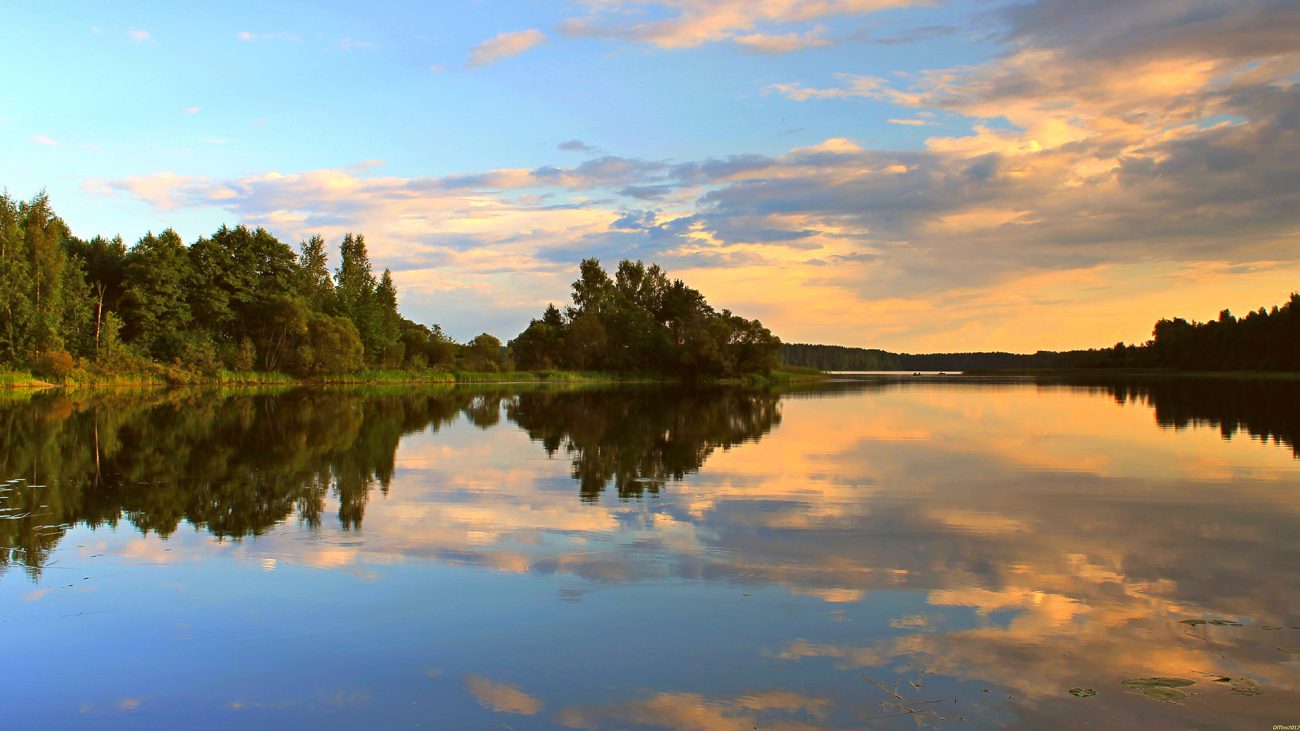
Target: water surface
x=865, y=554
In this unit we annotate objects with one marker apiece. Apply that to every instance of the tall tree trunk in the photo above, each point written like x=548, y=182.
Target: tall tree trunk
x=99, y=312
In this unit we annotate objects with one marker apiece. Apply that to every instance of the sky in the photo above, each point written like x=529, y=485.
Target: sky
x=904, y=174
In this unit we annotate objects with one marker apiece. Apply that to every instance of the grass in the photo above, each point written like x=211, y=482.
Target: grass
x=451, y=377
x=20, y=379
x=155, y=375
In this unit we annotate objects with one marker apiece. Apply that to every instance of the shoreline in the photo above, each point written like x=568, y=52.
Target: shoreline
x=18, y=381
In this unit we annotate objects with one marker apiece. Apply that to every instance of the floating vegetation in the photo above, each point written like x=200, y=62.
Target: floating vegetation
x=1215, y=622
x=1159, y=689
x=1270, y=627
x=1246, y=686
x=1289, y=650
x=1083, y=692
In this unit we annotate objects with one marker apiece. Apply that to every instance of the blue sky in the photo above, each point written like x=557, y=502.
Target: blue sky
x=908, y=175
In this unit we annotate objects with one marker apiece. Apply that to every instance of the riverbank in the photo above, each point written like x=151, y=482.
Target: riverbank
x=14, y=380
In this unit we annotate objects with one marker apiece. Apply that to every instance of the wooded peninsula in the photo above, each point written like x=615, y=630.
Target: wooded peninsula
x=241, y=305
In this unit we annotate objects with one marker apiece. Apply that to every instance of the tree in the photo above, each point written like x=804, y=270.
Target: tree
x=484, y=353
x=388, y=323
x=43, y=234
x=642, y=321
x=355, y=293
x=155, y=305
x=16, y=311
x=312, y=277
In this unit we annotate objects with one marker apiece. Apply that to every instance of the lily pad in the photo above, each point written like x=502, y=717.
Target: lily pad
x=1246, y=686
x=1270, y=627
x=1194, y=622
x=1158, y=682
x=1083, y=692
x=1169, y=695
x=1289, y=650
x=1224, y=623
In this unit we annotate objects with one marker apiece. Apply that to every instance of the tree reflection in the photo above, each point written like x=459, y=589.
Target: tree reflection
x=1268, y=410
x=641, y=439
x=235, y=465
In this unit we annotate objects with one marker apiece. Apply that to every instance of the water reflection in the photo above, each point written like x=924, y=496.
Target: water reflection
x=636, y=443
x=1263, y=408
x=888, y=554
x=235, y=465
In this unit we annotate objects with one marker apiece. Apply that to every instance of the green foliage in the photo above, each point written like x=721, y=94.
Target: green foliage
x=16, y=310
x=330, y=345
x=483, y=353
x=155, y=306
x=43, y=235
x=639, y=320
x=161, y=311
x=312, y=278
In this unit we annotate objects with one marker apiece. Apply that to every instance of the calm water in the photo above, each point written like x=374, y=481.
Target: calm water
x=898, y=554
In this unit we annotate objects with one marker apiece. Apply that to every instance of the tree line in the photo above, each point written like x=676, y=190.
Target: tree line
x=841, y=358
x=1262, y=340
x=239, y=300
x=641, y=321
x=242, y=300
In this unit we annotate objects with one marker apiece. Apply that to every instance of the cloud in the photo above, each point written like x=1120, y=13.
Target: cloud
x=190, y=110
x=505, y=45
x=911, y=122
x=577, y=146
x=502, y=697
x=139, y=35
x=46, y=140
x=695, y=712
x=781, y=43
x=347, y=44
x=912, y=35
x=691, y=23
x=1097, y=157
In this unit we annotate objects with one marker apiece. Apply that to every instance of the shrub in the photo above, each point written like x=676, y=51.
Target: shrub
x=53, y=364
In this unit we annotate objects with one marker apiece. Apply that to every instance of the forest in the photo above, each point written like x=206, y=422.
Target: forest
x=1262, y=340
x=242, y=301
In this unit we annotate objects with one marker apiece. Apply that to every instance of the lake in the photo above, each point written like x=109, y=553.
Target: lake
x=900, y=553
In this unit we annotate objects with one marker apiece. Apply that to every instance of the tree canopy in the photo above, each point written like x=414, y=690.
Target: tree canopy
x=239, y=299
x=641, y=321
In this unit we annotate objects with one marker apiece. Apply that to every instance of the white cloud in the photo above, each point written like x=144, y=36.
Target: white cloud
x=139, y=35
x=505, y=45
x=782, y=43
x=46, y=140
x=190, y=110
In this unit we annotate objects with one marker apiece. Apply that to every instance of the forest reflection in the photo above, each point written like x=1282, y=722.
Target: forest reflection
x=237, y=464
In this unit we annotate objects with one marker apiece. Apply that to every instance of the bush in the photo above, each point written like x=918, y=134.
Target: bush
x=53, y=364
